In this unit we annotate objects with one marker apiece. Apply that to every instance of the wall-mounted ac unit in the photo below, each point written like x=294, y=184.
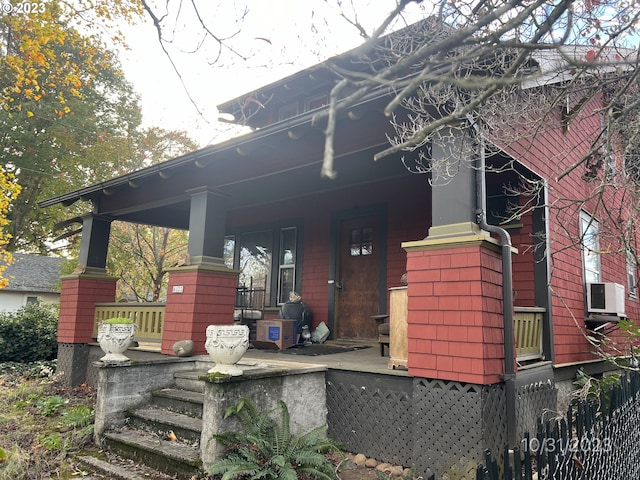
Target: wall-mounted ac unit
x=608, y=298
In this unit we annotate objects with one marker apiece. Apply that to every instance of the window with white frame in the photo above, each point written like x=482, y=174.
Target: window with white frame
x=632, y=268
x=253, y=253
x=589, y=232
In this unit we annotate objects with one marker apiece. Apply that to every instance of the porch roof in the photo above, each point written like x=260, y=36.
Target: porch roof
x=278, y=162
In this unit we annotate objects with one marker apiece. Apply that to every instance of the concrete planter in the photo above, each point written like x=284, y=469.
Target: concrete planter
x=226, y=344
x=114, y=339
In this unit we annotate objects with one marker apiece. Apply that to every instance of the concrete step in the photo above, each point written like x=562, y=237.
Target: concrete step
x=176, y=458
x=190, y=380
x=160, y=422
x=175, y=400
x=109, y=469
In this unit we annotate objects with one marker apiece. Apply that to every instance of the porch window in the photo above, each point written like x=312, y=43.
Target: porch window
x=255, y=257
x=254, y=252
x=589, y=231
x=287, y=268
x=632, y=279
x=229, y=249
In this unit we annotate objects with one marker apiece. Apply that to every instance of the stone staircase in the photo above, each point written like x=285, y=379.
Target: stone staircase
x=173, y=412
x=141, y=405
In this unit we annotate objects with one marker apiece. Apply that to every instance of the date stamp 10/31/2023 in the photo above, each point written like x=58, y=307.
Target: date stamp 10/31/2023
x=21, y=8
x=563, y=446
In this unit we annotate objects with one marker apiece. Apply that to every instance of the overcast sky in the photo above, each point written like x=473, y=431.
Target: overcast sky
x=277, y=35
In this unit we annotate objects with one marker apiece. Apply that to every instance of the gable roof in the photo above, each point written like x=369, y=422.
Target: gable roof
x=33, y=273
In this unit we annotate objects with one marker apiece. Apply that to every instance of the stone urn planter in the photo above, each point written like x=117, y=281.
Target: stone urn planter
x=226, y=344
x=114, y=336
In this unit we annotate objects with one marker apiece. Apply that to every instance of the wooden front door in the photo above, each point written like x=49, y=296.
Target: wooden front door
x=358, y=278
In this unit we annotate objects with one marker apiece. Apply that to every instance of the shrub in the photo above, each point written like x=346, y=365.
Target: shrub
x=29, y=334
x=266, y=449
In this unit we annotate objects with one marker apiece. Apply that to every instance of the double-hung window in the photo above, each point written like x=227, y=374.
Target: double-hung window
x=267, y=258
x=632, y=268
x=589, y=233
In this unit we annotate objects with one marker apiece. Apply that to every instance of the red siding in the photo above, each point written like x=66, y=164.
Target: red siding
x=77, y=306
x=455, y=314
x=207, y=298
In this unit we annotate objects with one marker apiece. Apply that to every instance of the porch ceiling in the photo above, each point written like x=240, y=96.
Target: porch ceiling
x=355, y=169
x=261, y=167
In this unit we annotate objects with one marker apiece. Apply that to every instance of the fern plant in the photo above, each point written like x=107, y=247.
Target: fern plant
x=265, y=448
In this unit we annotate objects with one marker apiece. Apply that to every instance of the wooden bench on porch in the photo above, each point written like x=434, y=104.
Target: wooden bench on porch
x=149, y=318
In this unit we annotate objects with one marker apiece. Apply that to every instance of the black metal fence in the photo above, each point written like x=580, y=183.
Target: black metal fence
x=596, y=440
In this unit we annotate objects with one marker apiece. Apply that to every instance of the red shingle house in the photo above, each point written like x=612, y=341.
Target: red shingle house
x=257, y=210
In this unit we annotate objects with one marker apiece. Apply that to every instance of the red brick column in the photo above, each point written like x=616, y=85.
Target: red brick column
x=455, y=321
x=79, y=294
x=197, y=296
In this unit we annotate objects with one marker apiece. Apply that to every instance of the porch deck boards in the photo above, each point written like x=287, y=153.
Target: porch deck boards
x=364, y=360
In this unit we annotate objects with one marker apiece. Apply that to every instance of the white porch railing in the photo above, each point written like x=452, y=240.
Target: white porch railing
x=527, y=323
x=149, y=317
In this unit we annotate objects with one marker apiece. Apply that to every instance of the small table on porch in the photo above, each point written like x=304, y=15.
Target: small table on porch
x=383, y=331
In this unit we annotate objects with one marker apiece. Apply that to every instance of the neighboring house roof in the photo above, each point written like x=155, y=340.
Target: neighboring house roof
x=33, y=273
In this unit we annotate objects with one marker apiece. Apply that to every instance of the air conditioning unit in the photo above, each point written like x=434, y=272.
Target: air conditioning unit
x=607, y=298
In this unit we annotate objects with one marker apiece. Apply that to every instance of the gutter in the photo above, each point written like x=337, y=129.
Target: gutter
x=509, y=376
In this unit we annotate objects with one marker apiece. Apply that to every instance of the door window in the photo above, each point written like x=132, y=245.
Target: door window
x=361, y=242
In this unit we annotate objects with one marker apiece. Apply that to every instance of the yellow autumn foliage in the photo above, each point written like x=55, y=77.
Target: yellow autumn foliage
x=9, y=190
x=57, y=50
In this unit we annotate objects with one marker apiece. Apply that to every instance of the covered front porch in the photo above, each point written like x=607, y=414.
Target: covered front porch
x=342, y=249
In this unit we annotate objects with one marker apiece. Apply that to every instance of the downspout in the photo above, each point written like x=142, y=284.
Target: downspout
x=509, y=376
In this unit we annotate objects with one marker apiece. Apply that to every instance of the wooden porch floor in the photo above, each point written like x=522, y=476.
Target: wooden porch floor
x=363, y=360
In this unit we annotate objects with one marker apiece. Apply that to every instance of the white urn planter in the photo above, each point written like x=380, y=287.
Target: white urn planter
x=114, y=339
x=226, y=344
